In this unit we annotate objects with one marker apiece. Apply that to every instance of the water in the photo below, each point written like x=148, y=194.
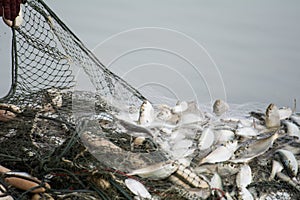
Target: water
x=255, y=46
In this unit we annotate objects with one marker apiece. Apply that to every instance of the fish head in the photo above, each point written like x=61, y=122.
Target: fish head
x=146, y=116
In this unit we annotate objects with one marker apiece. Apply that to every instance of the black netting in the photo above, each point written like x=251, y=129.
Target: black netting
x=45, y=53
x=45, y=57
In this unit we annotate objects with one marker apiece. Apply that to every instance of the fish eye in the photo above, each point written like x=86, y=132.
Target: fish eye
x=174, y=163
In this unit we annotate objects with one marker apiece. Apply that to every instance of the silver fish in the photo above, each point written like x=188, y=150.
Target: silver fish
x=223, y=136
x=289, y=161
x=245, y=194
x=272, y=116
x=188, y=118
x=207, y=139
x=256, y=148
x=137, y=188
x=226, y=169
x=157, y=171
x=220, y=107
x=134, y=130
x=296, y=119
x=285, y=113
x=288, y=180
x=276, y=167
x=246, y=132
x=244, y=177
x=292, y=129
x=164, y=112
x=221, y=153
x=180, y=107
x=146, y=116
x=216, y=181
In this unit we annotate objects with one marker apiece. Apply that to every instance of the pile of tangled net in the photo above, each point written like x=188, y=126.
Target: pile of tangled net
x=80, y=145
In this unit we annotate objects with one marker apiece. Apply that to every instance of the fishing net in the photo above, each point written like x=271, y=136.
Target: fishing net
x=78, y=140
x=45, y=54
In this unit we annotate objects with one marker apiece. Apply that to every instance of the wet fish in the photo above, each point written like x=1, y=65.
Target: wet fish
x=226, y=169
x=285, y=113
x=244, y=177
x=166, y=115
x=137, y=188
x=157, y=171
x=245, y=194
x=216, y=181
x=220, y=107
x=223, y=136
x=221, y=153
x=164, y=112
x=188, y=118
x=288, y=180
x=246, y=132
x=276, y=167
x=272, y=116
x=146, y=116
x=134, y=130
x=256, y=148
x=180, y=107
x=289, y=161
x=296, y=119
x=292, y=129
x=207, y=139
x=182, y=144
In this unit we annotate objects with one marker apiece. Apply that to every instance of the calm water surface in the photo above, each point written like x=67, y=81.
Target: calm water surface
x=255, y=46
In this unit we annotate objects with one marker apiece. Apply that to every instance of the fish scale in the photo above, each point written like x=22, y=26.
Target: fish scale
x=289, y=161
x=254, y=149
x=243, y=141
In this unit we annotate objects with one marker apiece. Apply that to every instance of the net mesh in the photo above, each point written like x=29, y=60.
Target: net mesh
x=71, y=138
x=45, y=53
x=46, y=56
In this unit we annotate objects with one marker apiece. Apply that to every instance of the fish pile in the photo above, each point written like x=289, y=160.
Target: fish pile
x=208, y=155
x=202, y=153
